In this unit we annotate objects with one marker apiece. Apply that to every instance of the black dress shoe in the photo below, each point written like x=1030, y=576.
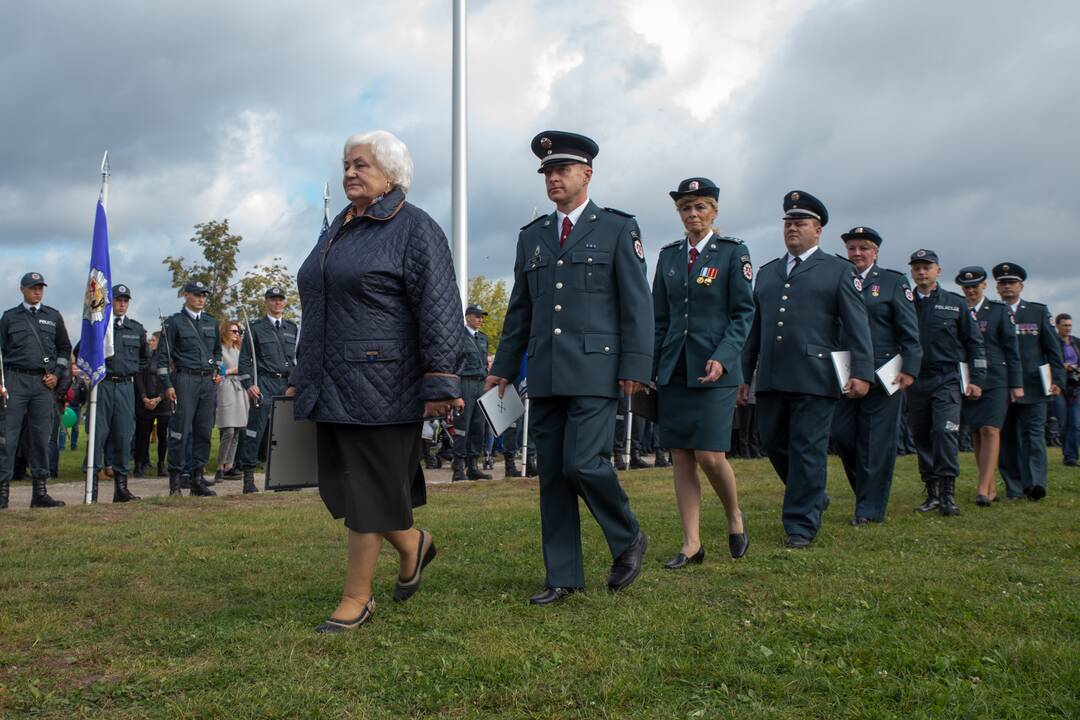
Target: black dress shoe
x=982, y=501
x=860, y=520
x=552, y=595
x=739, y=543
x=825, y=505
x=797, y=542
x=680, y=560
x=334, y=626
x=1072, y=463
x=627, y=567
x=425, y=553
x=1035, y=492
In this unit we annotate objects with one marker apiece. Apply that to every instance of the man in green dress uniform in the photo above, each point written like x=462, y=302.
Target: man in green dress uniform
x=581, y=311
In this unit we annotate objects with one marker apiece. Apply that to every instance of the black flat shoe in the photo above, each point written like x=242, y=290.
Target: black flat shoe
x=627, y=566
x=681, y=561
x=551, y=595
x=982, y=501
x=334, y=626
x=860, y=520
x=1035, y=492
x=797, y=542
x=403, y=590
x=738, y=543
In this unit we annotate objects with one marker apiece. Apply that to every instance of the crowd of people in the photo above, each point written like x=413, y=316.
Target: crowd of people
x=815, y=351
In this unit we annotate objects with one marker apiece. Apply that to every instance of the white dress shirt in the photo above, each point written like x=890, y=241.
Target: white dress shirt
x=803, y=258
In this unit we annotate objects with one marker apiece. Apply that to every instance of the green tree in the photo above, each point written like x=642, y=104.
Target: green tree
x=493, y=297
x=219, y=248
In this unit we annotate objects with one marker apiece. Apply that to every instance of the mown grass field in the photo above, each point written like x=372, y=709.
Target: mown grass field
x=204, y=609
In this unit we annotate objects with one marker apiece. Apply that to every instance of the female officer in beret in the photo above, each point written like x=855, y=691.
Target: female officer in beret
x=703, y=307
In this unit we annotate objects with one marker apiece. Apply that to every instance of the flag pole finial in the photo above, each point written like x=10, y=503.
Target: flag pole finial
x=105, y=165
x=326, y=193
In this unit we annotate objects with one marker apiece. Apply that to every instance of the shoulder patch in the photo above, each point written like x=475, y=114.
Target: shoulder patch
x=535, y=220
x=619, y=212
x=908, y=294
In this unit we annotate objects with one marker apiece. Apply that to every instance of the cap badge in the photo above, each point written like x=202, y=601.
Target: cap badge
x=858, y=230
x=794, y=196
x=920, y=253
x=694, y=184
x=968, y=275
x=35, y=276
x=545, y=143
x=1005, y=268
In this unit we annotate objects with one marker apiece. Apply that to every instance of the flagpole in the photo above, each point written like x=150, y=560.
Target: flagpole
x=326, y=205
x=91, y=436
x=460, y=203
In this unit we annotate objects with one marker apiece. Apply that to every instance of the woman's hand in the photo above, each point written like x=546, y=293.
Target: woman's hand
x=441, y=408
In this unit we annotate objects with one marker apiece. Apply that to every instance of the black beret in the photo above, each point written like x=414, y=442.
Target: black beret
x=555, y=147
x=700, y=186
x=799, y=204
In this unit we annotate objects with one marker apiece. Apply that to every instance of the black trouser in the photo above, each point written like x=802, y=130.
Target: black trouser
x=512, y=440
x=145, y=426
x=193, y=420
x=795, y=435
x=247, y=453
x=933, y=411
x=470, y=427
x=1022, y=462
x=865, y=434
x=27, y=397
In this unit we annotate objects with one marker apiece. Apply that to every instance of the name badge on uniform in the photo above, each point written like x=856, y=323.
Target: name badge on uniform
x=706, y=276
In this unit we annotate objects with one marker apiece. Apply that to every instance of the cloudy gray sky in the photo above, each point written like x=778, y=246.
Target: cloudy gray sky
x=949, y=125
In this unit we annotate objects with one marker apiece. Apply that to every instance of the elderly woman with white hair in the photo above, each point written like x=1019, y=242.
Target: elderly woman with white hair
x=379, y=350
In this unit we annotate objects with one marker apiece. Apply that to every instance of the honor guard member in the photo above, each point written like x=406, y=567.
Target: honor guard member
x=274, y=342
x=192, y=345
x=808, y=305
x=115, y=415
x=866, y=430
x=36, y=357
x=469, y=425
x=581, y=311
x=1003, y=384
x=949, y=336
x=1022, y=461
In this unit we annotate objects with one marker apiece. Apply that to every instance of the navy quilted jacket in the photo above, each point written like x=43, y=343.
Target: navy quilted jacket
x=382, y=319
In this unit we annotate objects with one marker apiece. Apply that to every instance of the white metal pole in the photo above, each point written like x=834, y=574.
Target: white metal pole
x=91, y=417
x=629, y=422
x=525, y=440
x=459, y=132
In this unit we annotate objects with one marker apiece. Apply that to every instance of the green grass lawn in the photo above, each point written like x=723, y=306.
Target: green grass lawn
x=205, y=608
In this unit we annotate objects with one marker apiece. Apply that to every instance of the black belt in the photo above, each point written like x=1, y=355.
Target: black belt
x=26, y=371
x=119, y=378
x=188, y=371
x=472, y=377
x=277, y=376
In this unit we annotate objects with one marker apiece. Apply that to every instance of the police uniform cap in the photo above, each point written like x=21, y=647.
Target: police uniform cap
x=862, y=232
x=33, y=279
x=970, y=276
x=555, y=147
x=799, y=205
x=700, y=186
x=120, y=291
x=923, y=256
x=475, y=310
x=1009, y=272
x=274, y=292
x=197, y=286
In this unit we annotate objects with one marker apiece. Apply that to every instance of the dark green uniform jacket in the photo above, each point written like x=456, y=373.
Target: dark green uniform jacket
x=275, y=350
x=476, y=354
x=583, y=312
x=1002, y=349
x=35, y=341
x=949, y=336
x=894, y=327
x=1039, y=345
x=190, y=344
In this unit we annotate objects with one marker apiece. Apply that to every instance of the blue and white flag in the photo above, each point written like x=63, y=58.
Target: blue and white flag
x=96, y=340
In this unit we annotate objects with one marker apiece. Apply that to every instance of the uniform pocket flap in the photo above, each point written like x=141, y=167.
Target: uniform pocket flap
x=607, y=344
x=820, y=351
x=371, y=350
x=590, y=258
x=534, y=264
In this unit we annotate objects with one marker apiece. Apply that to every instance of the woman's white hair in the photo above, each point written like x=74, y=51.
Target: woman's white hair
x=390, y=155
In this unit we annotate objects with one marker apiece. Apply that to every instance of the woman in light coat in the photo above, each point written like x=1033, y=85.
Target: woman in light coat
x=232, y=401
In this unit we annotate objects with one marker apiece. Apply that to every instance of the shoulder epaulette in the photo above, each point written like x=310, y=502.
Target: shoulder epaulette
x=533, y=221
x=673, y=243
x=770, y=262
x=844, y=258
x=619, y=212
x=1035, y=304
x=728, y=238
x=892, y=272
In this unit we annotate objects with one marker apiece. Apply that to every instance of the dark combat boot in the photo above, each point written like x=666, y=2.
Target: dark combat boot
x=161, y=471
x=933, y=496
x=475, y=473
x=459, y=470
x=620, y=464
x=512, y=469
x=4, y=494
x=199, y=487
x=530, y=468
x=120, y=490
x=636, y=463
x=948, y=504
x=41, y=498
x=174, y=483
x=662, y=459
x=249, y=482
x=203, y=480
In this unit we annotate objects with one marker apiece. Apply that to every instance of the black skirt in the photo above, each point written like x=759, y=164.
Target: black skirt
x=371, y=475
x=989, y=410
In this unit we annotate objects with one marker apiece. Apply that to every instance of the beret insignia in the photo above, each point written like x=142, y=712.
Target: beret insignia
x=694, y=185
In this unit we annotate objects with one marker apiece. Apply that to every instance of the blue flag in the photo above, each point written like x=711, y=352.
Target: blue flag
x=96, y=340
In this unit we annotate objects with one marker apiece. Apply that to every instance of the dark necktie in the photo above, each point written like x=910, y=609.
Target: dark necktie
x=567, y=226
x=33, y=310
x=798, y=261
x=119, y=324
x=277, y=324
x=693, y=259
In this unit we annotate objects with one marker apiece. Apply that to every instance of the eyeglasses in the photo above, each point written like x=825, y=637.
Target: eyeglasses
x=234, y=332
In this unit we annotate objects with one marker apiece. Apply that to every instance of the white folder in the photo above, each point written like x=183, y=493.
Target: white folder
x=1047, y=378
x=503, y=412
x=889, y=372
x=841, y=360
x=965, y=377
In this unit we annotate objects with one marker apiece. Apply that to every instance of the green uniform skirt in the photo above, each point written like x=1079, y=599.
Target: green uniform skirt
x=694, y=419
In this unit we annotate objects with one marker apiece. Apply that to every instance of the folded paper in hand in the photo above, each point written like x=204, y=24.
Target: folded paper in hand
x=889, y=372
x=841, y=360
x=503, y=412
x=1047, y=378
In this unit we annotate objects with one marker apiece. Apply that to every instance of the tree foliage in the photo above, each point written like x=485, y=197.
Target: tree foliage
x=217, y=268
x=493, y=297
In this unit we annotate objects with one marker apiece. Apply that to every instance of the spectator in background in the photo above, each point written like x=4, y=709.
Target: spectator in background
x=77, y=395
x=232, y=400
x=1066, y=406
x=152, y=413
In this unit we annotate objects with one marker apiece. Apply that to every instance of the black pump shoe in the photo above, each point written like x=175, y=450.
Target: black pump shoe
x=681, y=561
x=551, y=595
x=334, y=626
x=425, y=553
x=739, y=543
